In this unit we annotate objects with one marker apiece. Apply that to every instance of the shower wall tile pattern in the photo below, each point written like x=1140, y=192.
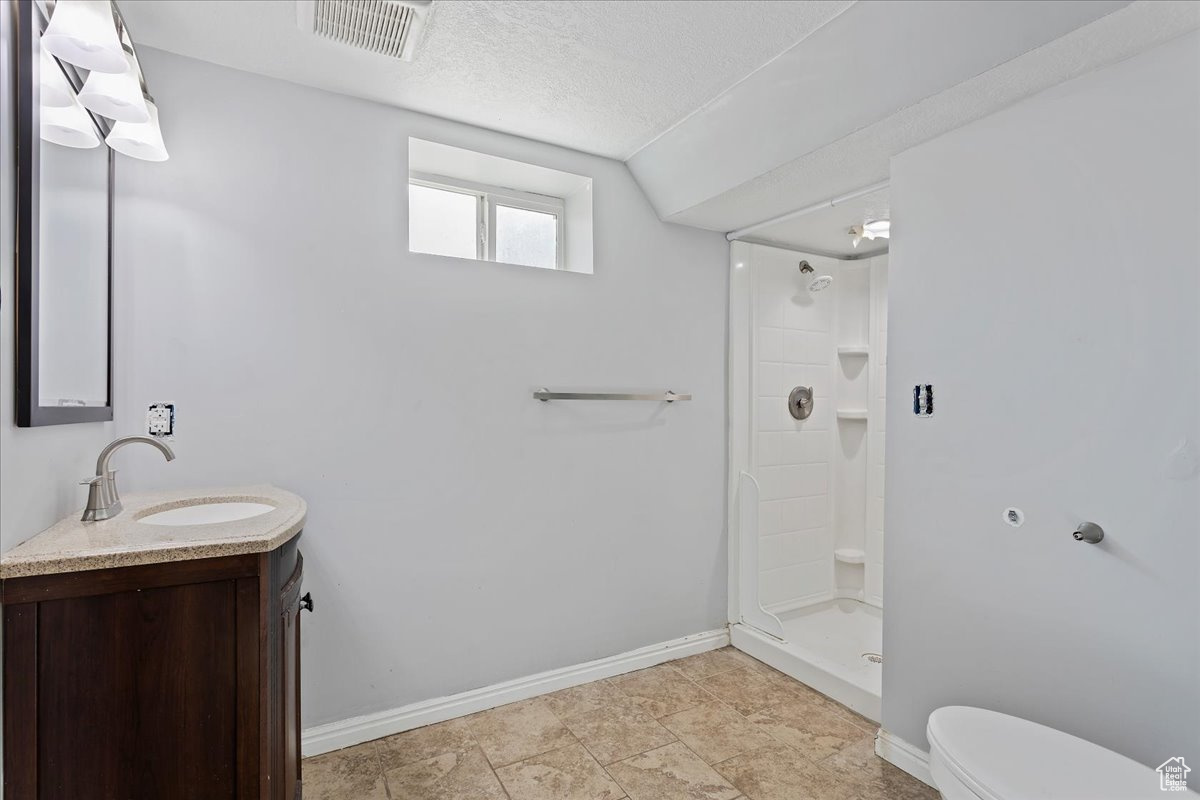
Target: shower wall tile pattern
x=794, y=347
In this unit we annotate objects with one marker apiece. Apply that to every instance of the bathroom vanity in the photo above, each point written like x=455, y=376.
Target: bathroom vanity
x=157, y=660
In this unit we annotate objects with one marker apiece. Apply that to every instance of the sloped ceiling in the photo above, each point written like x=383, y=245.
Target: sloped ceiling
x=862, y=156
x=728, y=112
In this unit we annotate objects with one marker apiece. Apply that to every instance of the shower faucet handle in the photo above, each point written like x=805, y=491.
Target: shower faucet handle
x=1088, y=532
x=800, y=402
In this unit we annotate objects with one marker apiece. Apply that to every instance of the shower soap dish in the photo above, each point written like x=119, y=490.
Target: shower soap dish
x=849, y=555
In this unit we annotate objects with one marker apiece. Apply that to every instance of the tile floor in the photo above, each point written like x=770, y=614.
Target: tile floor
x=714, y=726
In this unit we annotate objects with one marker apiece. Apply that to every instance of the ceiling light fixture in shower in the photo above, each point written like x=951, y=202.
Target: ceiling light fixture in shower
x=871, y=230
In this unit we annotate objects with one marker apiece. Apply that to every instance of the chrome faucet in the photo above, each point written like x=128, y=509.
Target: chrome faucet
x=103, y=501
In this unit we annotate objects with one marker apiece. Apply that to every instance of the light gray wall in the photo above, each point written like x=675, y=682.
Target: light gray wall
x=1045, y=277
x=40, y=468
x=460, y=533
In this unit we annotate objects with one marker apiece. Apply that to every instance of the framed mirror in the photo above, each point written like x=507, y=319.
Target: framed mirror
x=64, y=233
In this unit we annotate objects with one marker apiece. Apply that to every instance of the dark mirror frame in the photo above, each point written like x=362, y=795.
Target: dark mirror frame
x=28, y=23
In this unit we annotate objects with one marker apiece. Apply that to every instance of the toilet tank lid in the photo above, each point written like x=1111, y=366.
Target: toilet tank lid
x=1001, y=757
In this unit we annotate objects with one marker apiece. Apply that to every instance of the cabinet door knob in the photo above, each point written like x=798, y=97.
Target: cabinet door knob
x=306, y=602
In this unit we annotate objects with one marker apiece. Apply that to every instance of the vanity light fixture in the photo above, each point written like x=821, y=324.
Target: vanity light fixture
x=139, y=139
x=117, y=95
x=70, y=126
x=55, y=93
x=84, y=33
x=871, y=230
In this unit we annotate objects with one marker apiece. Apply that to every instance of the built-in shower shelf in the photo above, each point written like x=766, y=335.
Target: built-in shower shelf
x=847, y=350
x=850, y=555
x=852, y=413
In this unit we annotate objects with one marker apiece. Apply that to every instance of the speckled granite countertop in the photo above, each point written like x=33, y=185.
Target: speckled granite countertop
x=123, y=541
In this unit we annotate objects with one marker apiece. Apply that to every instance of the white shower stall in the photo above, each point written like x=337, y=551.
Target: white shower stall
x=806, y=495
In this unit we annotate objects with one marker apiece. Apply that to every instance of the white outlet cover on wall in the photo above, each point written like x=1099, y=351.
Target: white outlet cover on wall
x=160, y=420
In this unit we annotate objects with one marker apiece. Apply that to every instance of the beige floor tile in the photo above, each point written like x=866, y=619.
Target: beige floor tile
x=715, y=731
x=567, y=774
x=671, y=773
x=422, y=743
x=816, y=729
x=746, y=690
x=704, y=665
x=785, y=681
x=872, y=778
x=517, y=731
x=746, y=660
x=812, y=695
x=781, y=773
x=661, y=690
x=767, y=671
x=611, y=734
x=868, y=725
x=450, y=776
x=582, y=699
x=351, y=774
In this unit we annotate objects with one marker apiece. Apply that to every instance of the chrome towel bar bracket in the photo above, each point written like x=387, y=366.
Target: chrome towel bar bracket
x=668, y=396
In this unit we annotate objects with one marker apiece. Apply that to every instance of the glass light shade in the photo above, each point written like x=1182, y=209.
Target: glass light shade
x=70, y=127
x=879, y=228
x=83, y=33
x=139, y=139
x=55, y=93
x=117, y=96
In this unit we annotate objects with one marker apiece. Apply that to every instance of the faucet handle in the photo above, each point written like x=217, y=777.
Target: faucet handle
x=107, y=476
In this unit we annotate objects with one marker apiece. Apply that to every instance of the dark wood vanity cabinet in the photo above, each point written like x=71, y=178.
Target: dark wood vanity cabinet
x=155, y=682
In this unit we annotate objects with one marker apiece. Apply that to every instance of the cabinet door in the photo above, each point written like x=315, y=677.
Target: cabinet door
x=131, y=695
x=289, y=684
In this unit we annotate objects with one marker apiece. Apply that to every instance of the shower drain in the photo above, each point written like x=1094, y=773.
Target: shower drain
x=872, y=658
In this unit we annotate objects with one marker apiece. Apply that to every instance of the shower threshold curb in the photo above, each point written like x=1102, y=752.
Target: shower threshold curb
x=778, y=655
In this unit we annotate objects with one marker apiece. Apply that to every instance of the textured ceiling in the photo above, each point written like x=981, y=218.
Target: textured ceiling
x=593, y=75
x=613, y=77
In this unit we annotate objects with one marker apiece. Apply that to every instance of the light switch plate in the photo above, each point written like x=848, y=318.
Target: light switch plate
x=923, y=399
x=160, y=420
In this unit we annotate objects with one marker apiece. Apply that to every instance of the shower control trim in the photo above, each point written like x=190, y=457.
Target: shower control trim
x=800, y=402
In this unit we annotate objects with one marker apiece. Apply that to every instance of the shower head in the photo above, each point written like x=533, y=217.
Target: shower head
x=818, y=282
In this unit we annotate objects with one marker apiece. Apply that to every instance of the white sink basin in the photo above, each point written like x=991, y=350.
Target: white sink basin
x=207, y=513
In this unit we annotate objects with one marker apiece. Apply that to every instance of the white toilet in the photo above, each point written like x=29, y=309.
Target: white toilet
x=976, y=754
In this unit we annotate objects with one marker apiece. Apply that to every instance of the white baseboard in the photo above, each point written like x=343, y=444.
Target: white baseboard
x=906, y=756
x=336, y=735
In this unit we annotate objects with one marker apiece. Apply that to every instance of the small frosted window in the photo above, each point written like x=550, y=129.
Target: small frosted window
x=477, y=206
x=526, y=237
x=442, y=222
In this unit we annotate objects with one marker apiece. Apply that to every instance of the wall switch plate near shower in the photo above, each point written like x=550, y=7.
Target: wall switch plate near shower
x=923, y=399
x=160, y=420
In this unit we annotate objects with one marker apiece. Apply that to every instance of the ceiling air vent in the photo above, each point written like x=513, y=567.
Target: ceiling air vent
x=388, y=27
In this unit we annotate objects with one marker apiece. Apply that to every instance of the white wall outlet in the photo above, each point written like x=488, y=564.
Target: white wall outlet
x=160, y=420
